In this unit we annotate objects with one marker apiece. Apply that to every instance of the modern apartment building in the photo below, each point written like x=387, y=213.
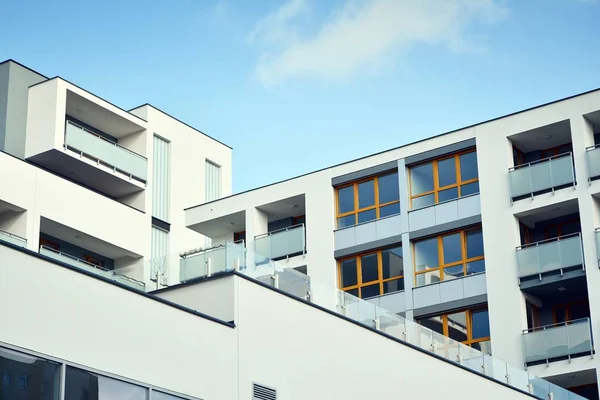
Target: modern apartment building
x=129, y=271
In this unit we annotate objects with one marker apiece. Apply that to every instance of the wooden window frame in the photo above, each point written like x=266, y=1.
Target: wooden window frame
x=376, y=206
x=469, y=313
x=559, y=227
x=440, y=251
x=459, y=183
x=360, y=284
x=567, y=307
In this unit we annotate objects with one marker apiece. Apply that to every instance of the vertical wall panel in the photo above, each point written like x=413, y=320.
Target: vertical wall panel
x=160, y=248
x=212, y=181
x=160, y=175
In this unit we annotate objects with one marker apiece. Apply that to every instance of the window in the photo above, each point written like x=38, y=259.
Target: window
x=158, y=253
x=570, y=311
x=28, y=377
x=212, y=184
x=161, y=170
x=444, y=179
x=368, y=199
x=81, y=384
x=372, y=274
x=449, y=256
x=470, y=327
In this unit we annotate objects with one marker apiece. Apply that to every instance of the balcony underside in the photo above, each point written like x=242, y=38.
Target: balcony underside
x=87, y=172
x=550, y=285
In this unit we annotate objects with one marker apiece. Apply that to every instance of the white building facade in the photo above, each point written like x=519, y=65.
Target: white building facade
x=128, y=270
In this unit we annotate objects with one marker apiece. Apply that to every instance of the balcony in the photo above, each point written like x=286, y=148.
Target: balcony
x=203, y=263
x=541, y=176
x=13, y=239
x=105, y=152
x=558, y=341
x=281, y=243
x=89, y=267
x=547, y=256
x=593, y=161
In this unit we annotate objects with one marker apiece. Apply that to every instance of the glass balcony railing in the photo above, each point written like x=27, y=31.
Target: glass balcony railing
x=105, y=152
x=207, y=262
x=593, y=161
x=550, y=255
x=282, y=242
x=12, y=238
x=558, y=341
x=542, y=175
x=93, y=268
x=264, y=269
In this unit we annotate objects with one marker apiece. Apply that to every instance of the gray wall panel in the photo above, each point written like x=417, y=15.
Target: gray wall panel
x=432, y=230
x=363, y=173
x=368, y=246
x=452, y=305
x=451, y=148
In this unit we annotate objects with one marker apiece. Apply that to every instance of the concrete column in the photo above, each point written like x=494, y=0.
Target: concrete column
x=257, y=223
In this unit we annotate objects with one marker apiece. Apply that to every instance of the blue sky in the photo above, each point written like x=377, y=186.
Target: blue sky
x=297, y=85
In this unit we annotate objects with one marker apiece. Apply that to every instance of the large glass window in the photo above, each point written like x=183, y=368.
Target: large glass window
x=164, y=396
x=372, y=274
x=81, y=384
x=447, y=178
x=27, y=377
x=470, y=327
x=368, y=199
x=449, y=256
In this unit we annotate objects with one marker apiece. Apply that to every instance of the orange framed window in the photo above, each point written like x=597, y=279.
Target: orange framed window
x=448, y=256
x=444, y=179
x=373, y=273
x=368, y=199
x=571, y=311
x=470, y=327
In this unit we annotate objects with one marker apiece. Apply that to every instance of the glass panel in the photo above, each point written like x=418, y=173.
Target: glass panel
x=474, y=267
x=346, y=199
x=348, y=220
x=423, y=201
x=163, y=396
x=484, y=346
x=369, y=268
x=433, y=323
x=426, y=254
x=474, y=243
x=393, y=286
x=480, y=324
x=448, y=194
x=85, y=385
x=469, y=188
x=428, y=277
x=457, y=326
x=446, y=172
x=452, y=248
x=349, y=277
x=353, y=292
x=392, y=262
x=468, y=166
x=388, y=210
x=369, y=291
x=367, y=216
x=580, y=310
x=421, y=179
x=593, y=157
x=562, y=170
x=458, y=271
x=520, y=181
x=366, y=194
x=27, y=377
x=388, y=188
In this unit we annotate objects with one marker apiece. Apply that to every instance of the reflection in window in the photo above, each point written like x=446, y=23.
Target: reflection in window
x=368, y=200
x=470, y=327
x=444, y=179
x=449, y=256
x=27, y=377
x=373, y=274
x=81, y=384
x=156, y=395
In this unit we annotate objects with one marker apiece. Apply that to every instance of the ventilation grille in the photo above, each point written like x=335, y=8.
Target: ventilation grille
x=260, y=392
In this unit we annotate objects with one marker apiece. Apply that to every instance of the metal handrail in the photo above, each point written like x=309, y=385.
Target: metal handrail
x=590, y=148
x=277, y=231
x=13, y=235
x=554, y=239
x=556, y=325
x=208, y=249
x=105, y=139
x=569, y=153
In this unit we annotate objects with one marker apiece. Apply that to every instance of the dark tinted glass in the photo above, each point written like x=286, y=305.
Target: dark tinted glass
x=421, y=179
x=474, y=243
x=369, y=291
x=367, y=216
x=452, y=249
x=423, y=201
x=446, y=172
x=475, y=267
x=81, y=384
x=457, y=326
x=27, y=377
x=353, y=292
x=388, y=188
x=369, y=268
x=454, y=272
x=448, y=194
x=349, y=277
x=392, y=262
x=480, y=324
x=433, y=323
x=366, y=194
x=468, y=166
x=469, y=188
x=346, y=199
x=581, y=310
x=426, y=254
x=348, y=220
x=163, y=396
x=388, y=210
x=393, y=286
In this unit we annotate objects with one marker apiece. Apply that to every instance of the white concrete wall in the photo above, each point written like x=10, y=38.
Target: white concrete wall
x=46, y=110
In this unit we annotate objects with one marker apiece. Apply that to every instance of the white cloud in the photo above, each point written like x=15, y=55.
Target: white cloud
x=364, y=34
